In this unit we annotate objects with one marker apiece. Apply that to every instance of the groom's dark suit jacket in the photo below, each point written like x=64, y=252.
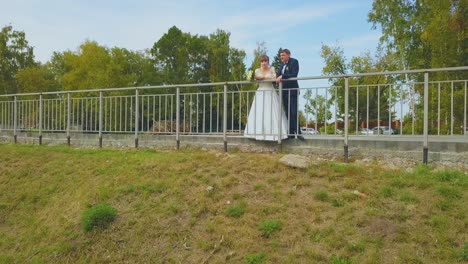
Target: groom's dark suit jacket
x=291, y=71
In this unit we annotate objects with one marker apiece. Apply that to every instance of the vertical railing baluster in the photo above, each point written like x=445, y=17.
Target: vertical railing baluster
x=357, y=110
x=426, y=117
x=177, y=117
x=204, y=113
x=438, y=109
x=225, y=118
x=346, y=118
x=15, y=119
x=100, y=119
x=136, y=117
x=240, y=111
x=465, y=130
x=390, y=108
x=452, y=117
x=401, y=111
x=368, y=106
x=280, y=111
x=68, y=118
x=41, y=102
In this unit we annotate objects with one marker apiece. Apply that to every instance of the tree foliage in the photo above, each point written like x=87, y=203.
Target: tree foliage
x=423, y=33
x=15, y=54
x=379, y=88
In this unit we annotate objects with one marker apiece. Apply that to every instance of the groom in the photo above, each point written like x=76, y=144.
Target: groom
x=289, y=69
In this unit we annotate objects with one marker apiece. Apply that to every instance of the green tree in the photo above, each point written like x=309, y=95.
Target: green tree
x=87, y=68
x=317, y=106
x=15, y=54
x=276, y=63
x=260, y=50
x=423, y=33
x=35, y=79
x=94, y=66
x=379, y=88
x=427, y=34
x=174, y=58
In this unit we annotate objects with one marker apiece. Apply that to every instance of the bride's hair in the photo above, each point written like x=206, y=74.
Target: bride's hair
x=264, y=58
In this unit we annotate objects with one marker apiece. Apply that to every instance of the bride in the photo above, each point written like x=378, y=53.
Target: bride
x=263, y=118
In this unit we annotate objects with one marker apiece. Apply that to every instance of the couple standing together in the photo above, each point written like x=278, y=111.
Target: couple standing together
x=263, y=120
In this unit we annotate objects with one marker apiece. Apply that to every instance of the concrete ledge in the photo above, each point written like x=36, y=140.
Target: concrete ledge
x=441, y=148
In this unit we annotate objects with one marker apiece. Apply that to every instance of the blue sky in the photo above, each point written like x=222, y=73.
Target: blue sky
x=301, y=26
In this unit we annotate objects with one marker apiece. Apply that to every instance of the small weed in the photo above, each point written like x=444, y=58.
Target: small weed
x=449, y=192
x=408, y=198
x=355, y=247
x=387, y=192
x=321, y=196
x=439, y=221
x=100, y=215
x=337, y=203
x=339, y=260
x=255, y=258
x=448, y=176
x=351, y=183
x=399, y=183
x=464, y=253
x=422, y=170
x=258, y=187
x=235, y=211
x=104, y=194
x=339, y=168
x=349, y=197
x=267, y=227
x=445, y=205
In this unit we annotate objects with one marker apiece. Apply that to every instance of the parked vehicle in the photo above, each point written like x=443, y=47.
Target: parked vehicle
x=366, y=131
x=382, y=130
x=309, y=131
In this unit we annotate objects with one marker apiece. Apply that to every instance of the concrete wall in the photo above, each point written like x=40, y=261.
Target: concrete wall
x=449, y=148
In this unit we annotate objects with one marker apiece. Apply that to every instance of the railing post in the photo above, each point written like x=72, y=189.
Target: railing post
x=225, y=118
x=41, y=110
x=100, y=119
x=177, y=117
x=136, y=118
x=280, y=123
x=68, y=118
x=426, y=117
x=346, y=119
x=15, y=119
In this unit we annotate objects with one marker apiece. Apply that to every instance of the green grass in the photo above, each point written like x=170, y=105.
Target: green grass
x=194, y=206
x=98, y=216
x=269, y=227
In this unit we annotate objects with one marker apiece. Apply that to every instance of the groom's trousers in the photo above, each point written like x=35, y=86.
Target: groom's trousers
x=290, y=102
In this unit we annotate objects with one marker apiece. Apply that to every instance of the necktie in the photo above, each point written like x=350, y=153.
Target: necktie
x=284, y=67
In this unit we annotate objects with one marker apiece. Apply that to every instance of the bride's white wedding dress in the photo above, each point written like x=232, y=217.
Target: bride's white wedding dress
x=263, y=118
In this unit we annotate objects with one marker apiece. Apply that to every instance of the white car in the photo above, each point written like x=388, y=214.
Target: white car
x=366, y=131
x=309, y=131
x=382, y=130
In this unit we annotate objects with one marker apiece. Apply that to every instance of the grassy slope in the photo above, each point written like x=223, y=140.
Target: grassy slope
x=166, y=215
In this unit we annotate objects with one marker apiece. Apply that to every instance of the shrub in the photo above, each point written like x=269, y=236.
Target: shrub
x=99, y=215
x=267, y=227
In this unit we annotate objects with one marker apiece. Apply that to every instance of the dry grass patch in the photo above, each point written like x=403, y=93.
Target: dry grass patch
x=195, y=206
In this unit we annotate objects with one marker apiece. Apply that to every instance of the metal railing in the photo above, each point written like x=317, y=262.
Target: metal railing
x=221, y=109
